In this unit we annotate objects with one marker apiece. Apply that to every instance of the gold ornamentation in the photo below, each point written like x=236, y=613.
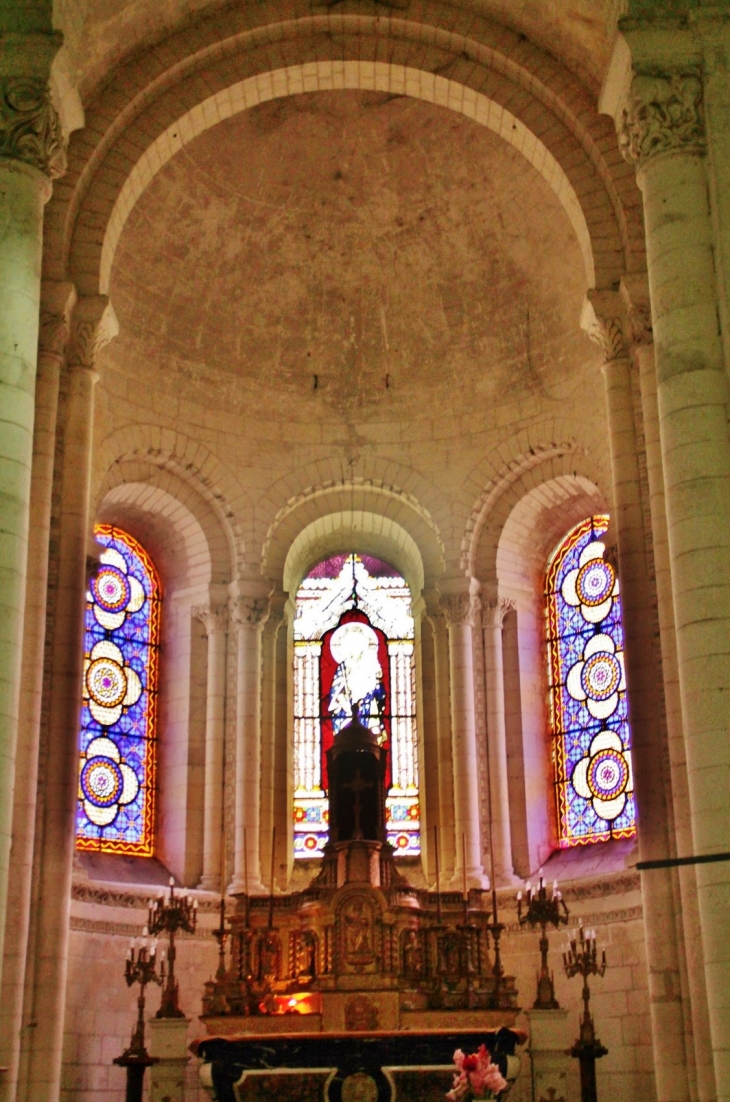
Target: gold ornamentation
x=664, y=113
x=30, y=130
x=361, y=1015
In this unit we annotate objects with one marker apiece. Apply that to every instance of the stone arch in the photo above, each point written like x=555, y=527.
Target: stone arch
x=175, y=475
x=380, y=520
x=465, y=62
x=519, y=473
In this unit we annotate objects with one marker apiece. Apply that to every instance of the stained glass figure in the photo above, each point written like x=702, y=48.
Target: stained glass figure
x=118, y=716
x=588, y=704
x=354, y=655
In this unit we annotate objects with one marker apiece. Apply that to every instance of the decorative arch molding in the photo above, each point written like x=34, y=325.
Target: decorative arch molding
x=447, y=56
x=327, y=519
x=526, y=472
x=181, y=473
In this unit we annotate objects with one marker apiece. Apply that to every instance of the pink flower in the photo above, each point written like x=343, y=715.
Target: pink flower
x=477, y=1077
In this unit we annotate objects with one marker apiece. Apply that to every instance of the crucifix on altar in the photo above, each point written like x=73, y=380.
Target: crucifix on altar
x=356, y=768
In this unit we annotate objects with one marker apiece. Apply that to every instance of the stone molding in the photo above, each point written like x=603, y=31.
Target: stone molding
x=93, y=325
x=494, y=612
x=664, y=114
x=214, y=618
x=83, y=892
x=461, y=608
x=30, y=128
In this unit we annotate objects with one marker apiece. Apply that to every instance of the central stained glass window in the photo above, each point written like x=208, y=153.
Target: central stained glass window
x=354, y=655
x=588, y=704
x=118, y=718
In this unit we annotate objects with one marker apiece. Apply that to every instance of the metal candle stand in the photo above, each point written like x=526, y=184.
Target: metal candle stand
x=580, y=958
x=140, y=968
x=543, y=910
x=171, y=916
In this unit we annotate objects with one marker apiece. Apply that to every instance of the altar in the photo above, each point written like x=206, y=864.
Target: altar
x=360, y=987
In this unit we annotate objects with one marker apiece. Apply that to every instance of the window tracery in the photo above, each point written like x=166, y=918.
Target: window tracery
x=118, y=717
x=587, y=688
x=354, y=654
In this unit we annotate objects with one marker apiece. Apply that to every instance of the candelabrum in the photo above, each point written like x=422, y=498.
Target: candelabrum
x=171, y=916
x=543, y=909
x=141, y=968
x=580, y=958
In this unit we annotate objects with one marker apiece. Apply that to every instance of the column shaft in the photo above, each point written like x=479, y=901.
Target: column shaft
x=93, y=326
x=643, y=675
x=23, y=192
x=500, y=834
x=692, y=399
x=250, y=616
x=461, y=613
x=214, y=620
x=54, y=334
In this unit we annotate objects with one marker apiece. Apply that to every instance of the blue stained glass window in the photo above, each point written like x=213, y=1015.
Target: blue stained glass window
x=118, y=717
x=587, y=684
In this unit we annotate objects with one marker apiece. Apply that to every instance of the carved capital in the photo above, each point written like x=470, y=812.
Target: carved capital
x=93, y=325
x=461, y=608
x=634, y=291
x=664, y=114
x=249, y=611
x=214, y=618
x=494, y=612
x=602, y=319
x=30, y=129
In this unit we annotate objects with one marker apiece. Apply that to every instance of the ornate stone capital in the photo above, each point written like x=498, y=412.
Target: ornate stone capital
x=664, y=114
x=634, y=291
x=214, y=618
x=93, y=325
x=461, y=608
x=602, y=319
x=494, y=612
x=30, y=129
x=249, y=611
x=57, y=302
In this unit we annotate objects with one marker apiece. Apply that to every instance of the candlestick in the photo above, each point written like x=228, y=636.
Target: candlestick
x=170, y=917
x=543, y=911
x=580, y=958
x=139, y=967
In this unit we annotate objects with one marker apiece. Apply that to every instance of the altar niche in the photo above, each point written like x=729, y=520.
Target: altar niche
x=360, y=949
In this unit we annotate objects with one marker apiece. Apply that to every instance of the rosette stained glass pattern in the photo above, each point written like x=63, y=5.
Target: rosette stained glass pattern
x=354, y=654
x=588, y=704
x=118, y=736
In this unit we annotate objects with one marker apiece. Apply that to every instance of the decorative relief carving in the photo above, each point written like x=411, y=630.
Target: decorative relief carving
x=494, y=612
x=249, y=610
x=664, y=113
x=361, y=1015
x=461, y=608
x=30, y=130
x=608, y=334
x=214, y=618
x=94, y=325
x=54, y=333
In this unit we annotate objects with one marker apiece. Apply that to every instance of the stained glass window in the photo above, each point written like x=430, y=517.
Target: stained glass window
x=353, y=654
x=588, y=705
x=118, y=728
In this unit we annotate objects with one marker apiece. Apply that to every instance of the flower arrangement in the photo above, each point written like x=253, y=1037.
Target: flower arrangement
x=477, y=1076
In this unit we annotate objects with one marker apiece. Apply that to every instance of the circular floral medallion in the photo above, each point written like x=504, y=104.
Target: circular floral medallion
x=607, y=774
x=102, y=781
x=600, y=676
x=594, y=583
x=110, y=589
x=106, y=682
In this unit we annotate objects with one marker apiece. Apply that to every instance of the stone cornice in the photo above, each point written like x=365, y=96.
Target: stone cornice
x=664, y=114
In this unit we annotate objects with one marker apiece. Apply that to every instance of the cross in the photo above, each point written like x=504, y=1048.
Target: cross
x=358, y=785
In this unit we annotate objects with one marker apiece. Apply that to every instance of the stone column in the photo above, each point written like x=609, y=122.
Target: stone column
x=445, y=819
x=249, y=614
x=461, y=611
x=604, y=320
x=663, y=133
x=635, y=291
x=549, y=1053
x=93, y=326
x=269, y=749
x=500, y=834
x=215, y=621
x=31, y=153
x=57, y=301
x=429, y=734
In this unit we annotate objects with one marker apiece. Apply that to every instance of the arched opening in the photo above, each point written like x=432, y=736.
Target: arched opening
x=354, y=643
